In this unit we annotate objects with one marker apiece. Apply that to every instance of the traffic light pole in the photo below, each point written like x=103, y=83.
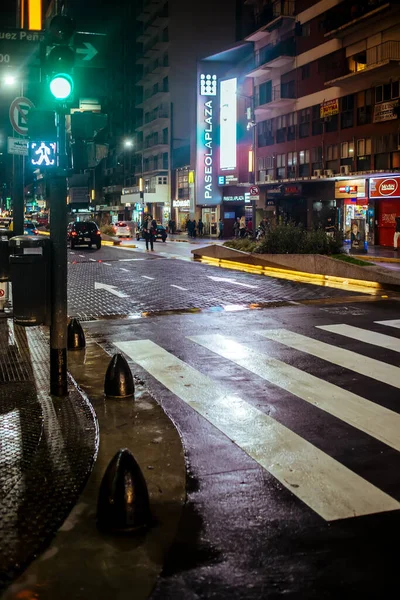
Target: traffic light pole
x=58, y=236
x=18, y=196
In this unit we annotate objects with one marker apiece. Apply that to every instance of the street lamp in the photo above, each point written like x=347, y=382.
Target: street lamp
x=128, y=143
x=10, y=80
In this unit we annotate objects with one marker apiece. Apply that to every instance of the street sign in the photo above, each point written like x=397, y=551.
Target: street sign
x=43, y=154
x=89, y=48
x=254, y=190
x=17, y=146
x=19, y=110
x=17, y=45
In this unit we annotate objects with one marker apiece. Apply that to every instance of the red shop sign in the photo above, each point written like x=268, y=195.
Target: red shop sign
x=348, y=189
x=384, y=187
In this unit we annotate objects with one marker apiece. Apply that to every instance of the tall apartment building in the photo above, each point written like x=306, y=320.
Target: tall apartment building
x=175, y=35
x=326, y=81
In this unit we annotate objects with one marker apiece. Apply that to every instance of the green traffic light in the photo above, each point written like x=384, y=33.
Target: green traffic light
x=61, y=86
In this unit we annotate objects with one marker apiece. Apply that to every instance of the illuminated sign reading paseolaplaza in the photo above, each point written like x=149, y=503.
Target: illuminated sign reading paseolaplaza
x=207, y=191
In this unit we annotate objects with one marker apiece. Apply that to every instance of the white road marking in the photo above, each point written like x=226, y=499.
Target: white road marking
x=392, y=323
x=233, y=281
x=92, y=260
x=109, y=288
x=126, y=270
x=179, y=287
x=326, y=486
x=375, y=420
x=364, y=365
x=81, y=255
x=72, y=252
x=363, y=335
x=108, y=264
x=147, y=277
x=129, y=259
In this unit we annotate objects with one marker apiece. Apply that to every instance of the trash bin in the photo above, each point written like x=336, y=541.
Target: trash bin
x=30, y=278
x=5, y=235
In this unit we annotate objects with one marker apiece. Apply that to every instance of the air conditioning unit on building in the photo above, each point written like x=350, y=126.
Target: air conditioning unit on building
x=344, y=169
x=317, y=173
x=262, y=176
x=328, y=173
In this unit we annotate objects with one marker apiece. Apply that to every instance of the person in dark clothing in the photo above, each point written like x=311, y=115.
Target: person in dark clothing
x=148, y=234
x=220, y=229
x=200, y=227
x=194, y=228
x=396, y=233
x=189, y=225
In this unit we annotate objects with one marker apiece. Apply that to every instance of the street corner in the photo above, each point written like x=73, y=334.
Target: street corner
x=83, y=561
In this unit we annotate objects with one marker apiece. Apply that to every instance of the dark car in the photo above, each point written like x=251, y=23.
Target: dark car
x=84, y=233
x=30, y=228
x=161, y=233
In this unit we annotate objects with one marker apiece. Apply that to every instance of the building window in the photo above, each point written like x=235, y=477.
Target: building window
x=305, y=72
x=162, y=180
x=347, y=149
x=304, y=120
x=264, y=131
x=332, y=152
x=304, y=163
x=265, y=93
x=165, y=136
x=165, y=84
x=165, y=160
x=331, y=123
x=306, y=29
x=386, y=92
x=280, y=166
x=364, y=147
x=165, y=35
x=292, y=159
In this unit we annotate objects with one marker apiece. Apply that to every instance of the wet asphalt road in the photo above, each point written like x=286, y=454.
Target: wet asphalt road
x=292, y=442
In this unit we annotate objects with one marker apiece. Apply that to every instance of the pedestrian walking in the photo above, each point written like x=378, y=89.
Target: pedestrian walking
x=396, y=233
x=242, y=226
x=194, y=228
x=189, y=226
x=220, y=229
x=236, y=226
x=200, y=227
x=148, y=234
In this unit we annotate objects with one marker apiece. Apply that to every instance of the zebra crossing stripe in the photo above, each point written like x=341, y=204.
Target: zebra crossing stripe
x=326, y=486
x=363, y=335
x=392, y=323
x=364, y=365
x=377, y=421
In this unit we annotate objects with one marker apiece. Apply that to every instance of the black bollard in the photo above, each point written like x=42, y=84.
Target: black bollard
x=75, y=336
x=123, y=503
x=118, y=382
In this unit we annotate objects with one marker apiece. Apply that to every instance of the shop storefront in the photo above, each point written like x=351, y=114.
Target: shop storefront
x=385, y=193
x=356, y=215
x=181, y=212
x=210, y=217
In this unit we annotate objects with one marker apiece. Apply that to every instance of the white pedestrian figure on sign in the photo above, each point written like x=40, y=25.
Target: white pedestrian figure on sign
x=44, y=152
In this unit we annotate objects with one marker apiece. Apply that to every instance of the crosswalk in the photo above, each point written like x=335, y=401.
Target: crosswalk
x=328, y=487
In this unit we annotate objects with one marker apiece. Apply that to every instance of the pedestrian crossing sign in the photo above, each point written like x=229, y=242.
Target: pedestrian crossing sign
x=43, y=154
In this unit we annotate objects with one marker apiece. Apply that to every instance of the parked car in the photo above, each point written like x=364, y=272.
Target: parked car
x=30, y=228
x=161, y=233
x=122, y=229
x=84, y=233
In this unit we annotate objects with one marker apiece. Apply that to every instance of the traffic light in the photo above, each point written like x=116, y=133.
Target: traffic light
x=60, y=58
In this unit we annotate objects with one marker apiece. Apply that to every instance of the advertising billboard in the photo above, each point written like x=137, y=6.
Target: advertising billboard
x=329, y=108
x=384, y=187
x=351, y=188
x=207, y=191
x=228, y=126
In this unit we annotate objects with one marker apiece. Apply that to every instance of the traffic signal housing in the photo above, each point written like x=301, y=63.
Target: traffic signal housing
x=60, y=59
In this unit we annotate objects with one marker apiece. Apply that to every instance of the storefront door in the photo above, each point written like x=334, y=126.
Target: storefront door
x=210, y=220
x=387, y=211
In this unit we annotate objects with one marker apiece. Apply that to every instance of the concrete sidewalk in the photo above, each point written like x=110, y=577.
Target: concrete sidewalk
x=50, y=447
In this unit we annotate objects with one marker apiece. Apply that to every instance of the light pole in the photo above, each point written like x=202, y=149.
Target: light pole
x=18, y=168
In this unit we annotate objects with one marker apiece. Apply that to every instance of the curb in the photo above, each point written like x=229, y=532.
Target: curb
x=377, y=258
x=81, y=559
x=370, y=287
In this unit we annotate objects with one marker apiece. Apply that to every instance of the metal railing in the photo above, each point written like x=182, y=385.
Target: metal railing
x=269, y=53
x=389, y=50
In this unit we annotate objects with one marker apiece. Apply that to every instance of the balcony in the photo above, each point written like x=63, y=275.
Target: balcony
x=158, y=122
x=280, y=96
x=272, y=16
x=348, y=16
x=155, y=149
x=365, y=64
x=273, y=57
x=156, y=98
